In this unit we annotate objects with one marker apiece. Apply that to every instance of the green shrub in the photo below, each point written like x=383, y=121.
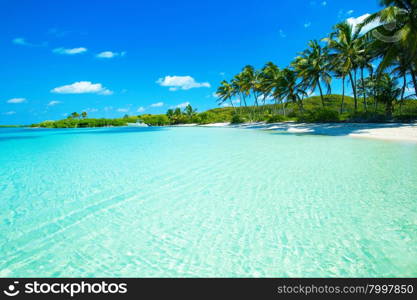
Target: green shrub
x=155, y=120
x=276, y=119
x=292, y=114
x=407, y=118
x=320, y=116
x=367, y=117
x=236, y=119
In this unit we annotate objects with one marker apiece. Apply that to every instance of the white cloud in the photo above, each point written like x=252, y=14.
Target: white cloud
x=90, y=110
x=182, y=105
x=110, y=54
x=124, y=110
x=350, y=12
x=54, y=102
x=282, y=33
x=22, y=42
x=82, y=87
x=16, y=100
x=176, y=83
x=324, y=3
x=140, y=109
x=354, y=22
x=306, y=25
x=70, y=51
x=108, y=108
x=9, y=113
x=158, y=104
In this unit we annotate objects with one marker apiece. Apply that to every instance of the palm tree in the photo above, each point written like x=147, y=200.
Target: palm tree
x=84, y=114
x=75, y=115
x=345, y=48
x=364, y=61
x=270, y=83
x=177, y=112
x=396, y=34
x=225, y=92
x=290, y=89
x=340, y=73
x=387, y=92
x=251, y=85
x=189, y=111
x=385, y=89
x=313, y=67
x=238, y=84
x=170, y=113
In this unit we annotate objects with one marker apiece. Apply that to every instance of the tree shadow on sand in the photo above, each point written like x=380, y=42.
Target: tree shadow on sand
x=332, y=129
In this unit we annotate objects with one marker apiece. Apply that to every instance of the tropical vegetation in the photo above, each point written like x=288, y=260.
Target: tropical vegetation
x=377, y=70
x=376, y=67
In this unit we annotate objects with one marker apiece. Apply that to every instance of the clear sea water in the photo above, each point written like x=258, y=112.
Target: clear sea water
x=203, y=202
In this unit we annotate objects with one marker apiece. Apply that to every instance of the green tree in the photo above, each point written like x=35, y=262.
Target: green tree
x=313, y=67
x=170, y=113
x=396, y=34
x=75, y=115
x=189, y=111
x=271, y=83
x=345, y=47
x=290, y=89
x=225, y=92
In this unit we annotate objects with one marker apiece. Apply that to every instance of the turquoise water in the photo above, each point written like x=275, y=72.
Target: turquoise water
x=163, y=202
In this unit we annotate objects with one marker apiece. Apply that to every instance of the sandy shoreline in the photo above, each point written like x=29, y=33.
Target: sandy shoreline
x=384, y=131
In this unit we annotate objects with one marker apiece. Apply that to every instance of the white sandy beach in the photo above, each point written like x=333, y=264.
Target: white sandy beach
x=385, y=131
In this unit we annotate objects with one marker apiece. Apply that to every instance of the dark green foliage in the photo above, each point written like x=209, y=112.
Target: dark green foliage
x=155, y=120
x=321, y=115
x=237, y=119
x=271, y=113
x=83, y=123
x=276, y=119
x=366, y=117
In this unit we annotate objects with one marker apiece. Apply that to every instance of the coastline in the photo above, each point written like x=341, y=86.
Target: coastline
x=400, y=132
x=405, y=132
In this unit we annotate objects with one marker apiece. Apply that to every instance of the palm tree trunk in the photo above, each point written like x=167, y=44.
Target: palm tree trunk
x=403, y=92
x=364, y=93
x=256, y=108
x=321, y=93
x=354, y=90
x=264, y=104
x=373, y=80
x=244, y=103
x=300, y=105
x=388, y=109
x=343, y=94
x=413, y=76
x=234, y=108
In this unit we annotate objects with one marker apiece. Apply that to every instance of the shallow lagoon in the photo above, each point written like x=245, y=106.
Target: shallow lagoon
x=166, y=202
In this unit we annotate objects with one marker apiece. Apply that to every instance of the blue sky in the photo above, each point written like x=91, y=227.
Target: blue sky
x=110, y=58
